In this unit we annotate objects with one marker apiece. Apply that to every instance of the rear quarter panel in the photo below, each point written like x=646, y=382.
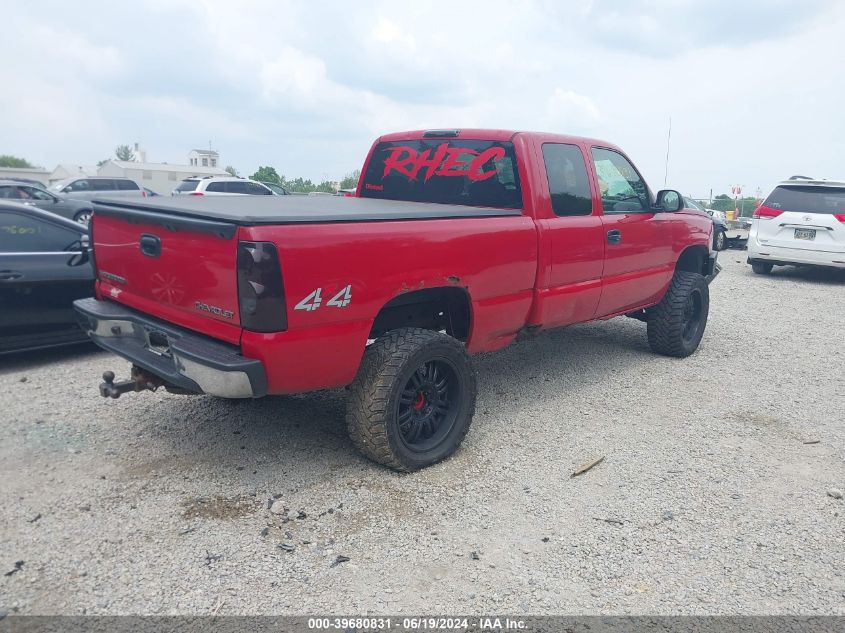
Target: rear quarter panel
x=494, y=259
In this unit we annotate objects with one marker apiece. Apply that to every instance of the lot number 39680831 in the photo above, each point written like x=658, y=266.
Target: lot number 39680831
x=315, y=299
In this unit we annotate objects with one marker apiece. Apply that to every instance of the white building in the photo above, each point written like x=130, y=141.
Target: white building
x=203, y=158
x=68, y=170
x=160, y=177
x=28, y=173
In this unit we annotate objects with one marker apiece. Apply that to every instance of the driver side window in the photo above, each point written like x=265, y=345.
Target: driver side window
x=622, y=189
x=37, y=194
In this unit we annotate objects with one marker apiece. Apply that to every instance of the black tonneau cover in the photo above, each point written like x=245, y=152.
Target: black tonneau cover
x=253, y=210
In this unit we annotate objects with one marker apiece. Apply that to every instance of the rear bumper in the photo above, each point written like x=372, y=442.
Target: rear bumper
x=793, y=256
x=181, y=358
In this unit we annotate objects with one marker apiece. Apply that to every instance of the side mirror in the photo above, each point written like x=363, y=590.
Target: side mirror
x=669, y=201
x=85, y=242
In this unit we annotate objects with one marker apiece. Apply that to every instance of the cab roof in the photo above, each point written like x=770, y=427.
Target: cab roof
x=488, y=134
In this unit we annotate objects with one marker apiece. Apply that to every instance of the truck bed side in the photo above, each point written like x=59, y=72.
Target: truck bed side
x=492, y=260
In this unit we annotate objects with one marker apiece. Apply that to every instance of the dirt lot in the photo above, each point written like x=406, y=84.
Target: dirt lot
x=712, y=497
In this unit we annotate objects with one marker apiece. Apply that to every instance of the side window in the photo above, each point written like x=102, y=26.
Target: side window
x=253, y=188
x=79, y=185
x=219, y=187
x=569, y=184
x=101, y=184
x=37, y=194
x=24, y=234
x=12, y=193
x=127, y=185
x=622, y=189
x=236, y=187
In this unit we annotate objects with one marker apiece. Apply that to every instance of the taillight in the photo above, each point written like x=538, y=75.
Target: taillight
x=197, y=193
x=840, y=217
x=143, y=193
x=261, y=292
x=766, y=213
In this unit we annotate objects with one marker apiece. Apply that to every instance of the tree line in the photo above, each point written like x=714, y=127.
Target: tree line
x=302, y=185
x=723, y=202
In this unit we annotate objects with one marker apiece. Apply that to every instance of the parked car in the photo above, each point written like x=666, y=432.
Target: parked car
x=89, y=187
x=719, y=226
x=222, y=186
x=275, y=188
x=800, y=223
x=45, y=265
x=30, y=195
x=459, y=242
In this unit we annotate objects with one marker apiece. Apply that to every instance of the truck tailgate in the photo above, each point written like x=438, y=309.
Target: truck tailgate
x=182, y=270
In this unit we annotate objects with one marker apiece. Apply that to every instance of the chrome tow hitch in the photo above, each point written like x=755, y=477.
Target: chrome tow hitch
x=139, y=380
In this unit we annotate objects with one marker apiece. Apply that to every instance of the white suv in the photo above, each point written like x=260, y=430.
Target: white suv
x=221, y=186
x=802, y=222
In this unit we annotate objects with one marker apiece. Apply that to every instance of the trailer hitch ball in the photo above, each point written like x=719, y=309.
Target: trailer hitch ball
x=108, y=388
x=140, y=380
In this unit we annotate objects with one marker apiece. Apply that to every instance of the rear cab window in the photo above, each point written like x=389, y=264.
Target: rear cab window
x=807, y=199
x=455, y=171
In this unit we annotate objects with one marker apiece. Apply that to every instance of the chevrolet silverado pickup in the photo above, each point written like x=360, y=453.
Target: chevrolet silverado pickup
x=457, y=242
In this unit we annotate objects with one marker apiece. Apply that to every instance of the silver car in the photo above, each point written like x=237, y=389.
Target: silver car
x=90, y=187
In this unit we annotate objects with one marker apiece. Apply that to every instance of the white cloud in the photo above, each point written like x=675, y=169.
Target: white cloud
x=568, y=109
x=307, y=90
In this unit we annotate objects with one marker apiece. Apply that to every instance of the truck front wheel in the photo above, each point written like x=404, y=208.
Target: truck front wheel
x=676, y=324
x=413, y=399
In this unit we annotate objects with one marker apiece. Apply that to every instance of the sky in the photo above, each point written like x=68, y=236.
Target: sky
x=754, y=88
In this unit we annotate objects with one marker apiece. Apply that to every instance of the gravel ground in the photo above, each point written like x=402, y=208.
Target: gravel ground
x=711, y=498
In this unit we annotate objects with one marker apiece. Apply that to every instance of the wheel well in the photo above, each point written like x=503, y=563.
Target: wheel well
x=431, y=309
x=693, y=259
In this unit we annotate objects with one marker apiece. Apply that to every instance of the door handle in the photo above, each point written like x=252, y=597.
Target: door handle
x=614, y=236
x=10, y=275
x=150, y=245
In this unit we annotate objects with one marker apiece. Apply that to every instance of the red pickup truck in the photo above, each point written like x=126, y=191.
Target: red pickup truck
x=458, y=241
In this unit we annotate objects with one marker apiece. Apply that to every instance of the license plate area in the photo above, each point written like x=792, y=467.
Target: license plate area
x=805, y=234
x=157, y=342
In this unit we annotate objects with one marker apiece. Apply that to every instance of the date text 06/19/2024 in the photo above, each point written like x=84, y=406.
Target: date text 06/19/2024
x=416, y=623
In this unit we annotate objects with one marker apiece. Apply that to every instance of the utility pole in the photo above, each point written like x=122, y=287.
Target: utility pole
x=737, y=190
x=668, y=139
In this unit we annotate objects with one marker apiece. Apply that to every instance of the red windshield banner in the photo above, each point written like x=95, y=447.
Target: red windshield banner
x=445, y=161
